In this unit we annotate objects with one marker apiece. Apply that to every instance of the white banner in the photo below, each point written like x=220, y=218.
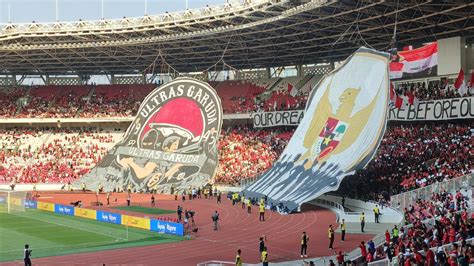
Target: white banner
x=456, y=108
x=446, y=109
x=279, y=118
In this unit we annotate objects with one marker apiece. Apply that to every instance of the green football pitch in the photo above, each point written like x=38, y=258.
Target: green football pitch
x=50, y=234
x=146, y=210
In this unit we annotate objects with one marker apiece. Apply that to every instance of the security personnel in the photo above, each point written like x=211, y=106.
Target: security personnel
x=376, y=213
x=331, y=236
x=238, y=258
x=264, y=257
x=362, y=222
x=343, y=230
x=261, y=212
x=83, y=187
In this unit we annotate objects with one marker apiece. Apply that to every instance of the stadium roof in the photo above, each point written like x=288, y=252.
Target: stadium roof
x=265, y=33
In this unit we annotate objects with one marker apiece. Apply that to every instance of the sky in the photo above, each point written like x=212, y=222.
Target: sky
x=26, y=11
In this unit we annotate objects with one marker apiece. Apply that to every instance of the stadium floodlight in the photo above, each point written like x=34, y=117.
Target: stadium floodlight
x=12, y=201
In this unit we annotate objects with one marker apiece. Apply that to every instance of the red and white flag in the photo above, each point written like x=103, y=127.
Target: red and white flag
x=392, y=92
x=415, y=61
x=292, y=90
x=396, y=70
x=411, y=97
x=398, y=101
x=471, y=83
x=460, y=83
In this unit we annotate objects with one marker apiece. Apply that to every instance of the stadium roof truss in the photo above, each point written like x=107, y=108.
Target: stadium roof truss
x=265, y=33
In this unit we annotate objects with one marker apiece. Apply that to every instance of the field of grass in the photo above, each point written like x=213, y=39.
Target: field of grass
x=50, y=234
x=146, y=210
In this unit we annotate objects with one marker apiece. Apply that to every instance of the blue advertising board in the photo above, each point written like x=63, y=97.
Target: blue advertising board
x=167, y=227
x=63, y=209
x=109, y=217
x=32, y=204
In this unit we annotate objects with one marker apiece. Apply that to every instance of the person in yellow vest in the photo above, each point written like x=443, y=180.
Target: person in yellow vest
x=264, y=257
x=362, y=222
x=262, y=201
x=238, y=258
x=234, y=198
x=243, y=202
x=249, y=206
x=129, y=188
x=343, y=230
x=376, y=213
x=83, y=187
x=331, y=236
x=261, y=211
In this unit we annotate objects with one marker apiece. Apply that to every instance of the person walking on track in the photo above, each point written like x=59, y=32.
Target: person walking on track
x=304, y=245
x=331, y=236
x=238, y=258
x=343, y=230
x=264, y=257
x=362, y=222
x=27, y=255
x=215, y=219
x=261, y=216
x=129, y=198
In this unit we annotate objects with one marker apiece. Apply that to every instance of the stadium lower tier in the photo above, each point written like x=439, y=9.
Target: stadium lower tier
x=410, y=156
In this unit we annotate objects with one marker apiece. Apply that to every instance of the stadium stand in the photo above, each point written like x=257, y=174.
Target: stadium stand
x=438, y=224
x=238, y=96
x=412, y=156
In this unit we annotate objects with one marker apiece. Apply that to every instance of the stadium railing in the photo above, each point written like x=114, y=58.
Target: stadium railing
x=211, y=12
x=425, y=193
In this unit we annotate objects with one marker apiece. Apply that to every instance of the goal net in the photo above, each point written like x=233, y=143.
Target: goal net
x=12, y=201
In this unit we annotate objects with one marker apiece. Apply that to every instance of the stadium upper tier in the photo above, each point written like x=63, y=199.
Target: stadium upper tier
x=237, y=96
x=256, y=33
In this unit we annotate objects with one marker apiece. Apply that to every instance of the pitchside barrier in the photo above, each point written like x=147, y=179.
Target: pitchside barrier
x=162, y=227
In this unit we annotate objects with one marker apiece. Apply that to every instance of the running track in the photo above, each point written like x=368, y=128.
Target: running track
x=238, y=229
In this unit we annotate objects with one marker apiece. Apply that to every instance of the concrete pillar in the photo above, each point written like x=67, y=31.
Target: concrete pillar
x=299, y=70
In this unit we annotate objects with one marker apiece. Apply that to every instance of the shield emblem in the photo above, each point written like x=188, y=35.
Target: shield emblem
x=329, y=137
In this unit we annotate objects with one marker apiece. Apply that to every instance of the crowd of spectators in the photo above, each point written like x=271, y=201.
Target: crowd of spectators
x=246, y=153
x=238, y=96
x=435, y=90
x=413, y=156
x=443, y=221
x=51, y=155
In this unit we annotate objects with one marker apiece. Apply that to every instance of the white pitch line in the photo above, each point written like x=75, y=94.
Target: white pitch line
x=85, y=230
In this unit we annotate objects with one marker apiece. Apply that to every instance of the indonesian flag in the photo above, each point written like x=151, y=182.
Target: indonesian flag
x=392, y=92
x=396, y=70
x=471, y=83
x=398, y=101
x=415, y=61
x=460, y=83
x=411, y=97
x=292, y=90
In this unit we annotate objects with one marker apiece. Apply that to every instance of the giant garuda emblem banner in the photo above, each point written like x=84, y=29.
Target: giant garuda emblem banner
x=172, y=142
x=340, y=132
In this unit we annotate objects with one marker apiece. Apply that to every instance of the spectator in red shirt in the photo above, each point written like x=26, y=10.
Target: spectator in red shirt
x=429, y=256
